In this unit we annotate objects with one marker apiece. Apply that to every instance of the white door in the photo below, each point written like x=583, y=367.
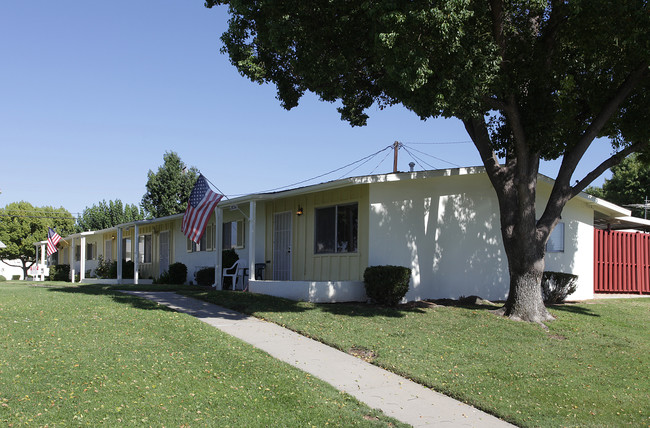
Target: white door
x=164, y=251
x=282, y=246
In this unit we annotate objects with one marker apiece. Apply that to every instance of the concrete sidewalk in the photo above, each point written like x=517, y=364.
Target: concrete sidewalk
x=396, y=396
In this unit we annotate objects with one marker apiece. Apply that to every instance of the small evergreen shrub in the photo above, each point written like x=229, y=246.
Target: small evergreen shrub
x=163, y=278
x=205, y=276
x=387, y=285
x=128, y=268
x=556, y=286
x=15, y=277
x=106, y=268
x=177, y=273
x=59, y=273
x=2, y=278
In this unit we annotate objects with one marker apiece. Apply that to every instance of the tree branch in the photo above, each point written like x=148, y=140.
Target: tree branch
x=608, y=163
x=496, y=6
x=573, y=157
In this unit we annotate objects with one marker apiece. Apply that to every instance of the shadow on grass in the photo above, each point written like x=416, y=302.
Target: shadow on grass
x=244, y=302
x=255, y=304
x=109, y=290
x=574, y=309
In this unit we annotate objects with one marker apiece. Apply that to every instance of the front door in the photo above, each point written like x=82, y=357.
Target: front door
x=164, y=251
x=282, y=246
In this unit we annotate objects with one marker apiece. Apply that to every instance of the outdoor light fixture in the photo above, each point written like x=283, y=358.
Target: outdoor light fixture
x=300, y=211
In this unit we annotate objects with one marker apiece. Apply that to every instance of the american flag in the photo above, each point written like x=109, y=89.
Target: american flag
x=53, y=238
x=199, y=208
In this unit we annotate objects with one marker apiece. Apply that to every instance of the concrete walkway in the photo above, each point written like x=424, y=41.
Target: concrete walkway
x=396, y=396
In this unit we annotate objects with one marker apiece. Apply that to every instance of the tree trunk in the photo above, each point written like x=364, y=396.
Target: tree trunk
x=525, y=302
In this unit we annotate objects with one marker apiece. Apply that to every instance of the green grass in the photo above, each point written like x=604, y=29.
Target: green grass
x=85, y=355
x=590, y=369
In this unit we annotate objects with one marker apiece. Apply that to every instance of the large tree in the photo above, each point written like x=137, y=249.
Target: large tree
x=22, y=224
x=108, y=214
x=530, y=80
x=629, y=185
x=168, y=190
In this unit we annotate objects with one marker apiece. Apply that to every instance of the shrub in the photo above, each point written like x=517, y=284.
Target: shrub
x=2, y=278
x=177, y=273
x=162, y=279
x=205, y=276
x=556, y=286
x=387, y=285
x=15, y=277
x=59, y=273
x=106, y=268
x=128, y=268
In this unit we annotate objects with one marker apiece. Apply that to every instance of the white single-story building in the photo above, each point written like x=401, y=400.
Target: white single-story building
x=313, y=243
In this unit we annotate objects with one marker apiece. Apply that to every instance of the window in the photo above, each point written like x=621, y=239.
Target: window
x=233, y=234
x=336, y=229
x=555, y=242
x=203, y=245
x=126, y=249
x=144, y=248
x=91, y=251
x=77, y=253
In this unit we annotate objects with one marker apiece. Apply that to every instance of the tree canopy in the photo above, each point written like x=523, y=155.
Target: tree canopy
x=168, y=189
x=22, y=224
x=108, y=214
x=531, y=81
x=629, y=185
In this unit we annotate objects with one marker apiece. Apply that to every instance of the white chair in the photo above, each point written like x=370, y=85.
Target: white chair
x=234, y=272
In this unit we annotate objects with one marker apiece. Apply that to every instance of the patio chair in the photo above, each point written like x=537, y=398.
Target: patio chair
x=234, y=272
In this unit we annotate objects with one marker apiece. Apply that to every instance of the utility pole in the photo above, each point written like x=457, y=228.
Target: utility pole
x=395, y=148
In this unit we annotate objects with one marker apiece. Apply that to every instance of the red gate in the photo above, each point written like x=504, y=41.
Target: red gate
x=621, y=262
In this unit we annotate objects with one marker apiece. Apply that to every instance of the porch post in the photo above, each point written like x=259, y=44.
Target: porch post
x=218, y=247
x=251, y=240
x=42, y=261
x=119, y=255
x=73, y=257
x=82, y=259
x=136, y=252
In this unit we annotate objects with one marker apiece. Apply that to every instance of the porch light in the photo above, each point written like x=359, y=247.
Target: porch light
x=300, y=211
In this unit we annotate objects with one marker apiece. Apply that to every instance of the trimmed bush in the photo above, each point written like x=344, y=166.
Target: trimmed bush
x=15, y=277
x=556, y=286
x=387, y=285
x=2, y=278
x=205, y=276
x=177, y=273
x=59, y=273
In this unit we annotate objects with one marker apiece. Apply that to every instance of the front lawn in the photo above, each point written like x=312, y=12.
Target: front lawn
x=85, y=355
x=590, y=369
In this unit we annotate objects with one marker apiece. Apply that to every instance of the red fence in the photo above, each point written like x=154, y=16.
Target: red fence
x=621, y=262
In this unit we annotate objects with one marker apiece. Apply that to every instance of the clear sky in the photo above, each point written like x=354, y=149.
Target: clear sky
x=92, y=94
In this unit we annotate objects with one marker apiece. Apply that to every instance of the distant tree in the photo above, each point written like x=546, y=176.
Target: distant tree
x=168, y=190
x=22, y=224
x=530, y=80
x=108, y=214
x=630, y=184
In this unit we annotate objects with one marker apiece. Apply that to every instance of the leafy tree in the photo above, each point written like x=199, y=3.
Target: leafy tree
x=168, y=190
x=108, y=214
x=629, y=185
x=530, y=80
x=22, y=224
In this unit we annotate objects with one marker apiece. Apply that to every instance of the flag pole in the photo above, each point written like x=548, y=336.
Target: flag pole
x=224, y=195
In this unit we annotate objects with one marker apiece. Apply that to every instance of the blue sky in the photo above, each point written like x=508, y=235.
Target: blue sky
x=92, y=94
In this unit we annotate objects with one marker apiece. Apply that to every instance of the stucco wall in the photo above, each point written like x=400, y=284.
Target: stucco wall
x=447, y=229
